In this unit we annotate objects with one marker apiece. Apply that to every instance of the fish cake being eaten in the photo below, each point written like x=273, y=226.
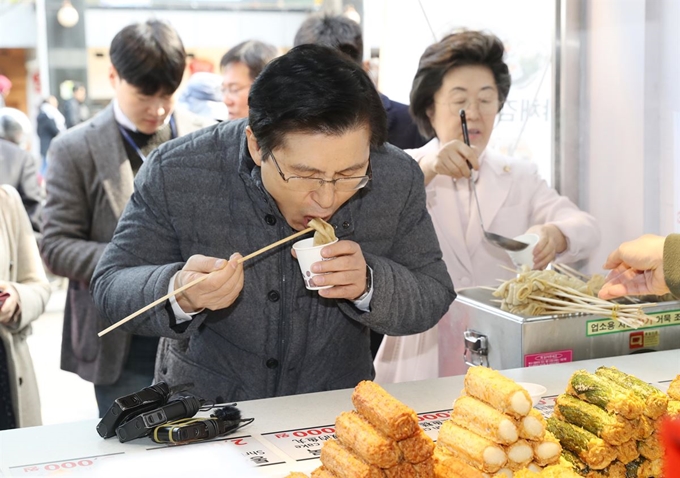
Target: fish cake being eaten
x=325, y=233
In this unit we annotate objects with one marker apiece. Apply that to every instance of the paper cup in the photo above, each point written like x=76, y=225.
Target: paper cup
x=308, y=254
x=525, y=257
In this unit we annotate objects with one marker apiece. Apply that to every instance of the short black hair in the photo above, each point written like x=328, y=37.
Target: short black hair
x=252, y=53
x=313, y=89
x=149, y=56
x=335, y=31
x=454, y=50
x=77, y=85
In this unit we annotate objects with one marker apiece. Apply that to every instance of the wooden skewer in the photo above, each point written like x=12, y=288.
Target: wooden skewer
x=199, y=280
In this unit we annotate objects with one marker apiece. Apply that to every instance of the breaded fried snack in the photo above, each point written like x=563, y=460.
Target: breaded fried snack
x=500, y=392
x=384, y=412
x=447, y=466
x=465, y=445
x=341, y=462
x=547, y=451
x=484, y=420
x=532, y=427
x=417, y=448
x=354, y=432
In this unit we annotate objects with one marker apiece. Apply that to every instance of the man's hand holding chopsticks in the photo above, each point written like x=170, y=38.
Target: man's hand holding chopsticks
x=218, y=291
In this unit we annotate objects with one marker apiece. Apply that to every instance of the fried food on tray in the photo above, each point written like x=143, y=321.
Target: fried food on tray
x=402, y=470
x=673, y=407
x=519, y=454
x=643, y=427
x=296, y=474
x=447, y=465
x=384, y=412
x=642, y=468
x=417, y=448
x=532, y=427
x=593, y=451
x=480, y=452
x=373, y=447
x=484, y=420
x=627, y=452
x=656, y=402
x=425, y=469
x=612, y=428
x=553, y=471
x=651, y=447
x=325, y=233
x=341, y=462
x=674, y=388
x=322, y=472
x=547, y=451
x=605, y=394
x=498, y=391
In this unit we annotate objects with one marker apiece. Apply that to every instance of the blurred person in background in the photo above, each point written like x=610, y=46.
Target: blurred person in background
x=75, y=109
x=466, y=71
x=5, y=87
x=344, y=34
x=240, y=66
x=202, y=95
x=89, y=182
x=50, y=123
x=17, y=166
x=24, y=292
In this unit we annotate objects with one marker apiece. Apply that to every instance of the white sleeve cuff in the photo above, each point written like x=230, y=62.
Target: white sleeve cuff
x=180, y=315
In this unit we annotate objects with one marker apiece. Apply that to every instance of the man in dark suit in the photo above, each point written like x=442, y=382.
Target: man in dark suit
x=18, y=169
x=345, y=35
x=89, y=182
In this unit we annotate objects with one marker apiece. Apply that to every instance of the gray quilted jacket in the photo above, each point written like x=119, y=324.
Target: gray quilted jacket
x=202, y=194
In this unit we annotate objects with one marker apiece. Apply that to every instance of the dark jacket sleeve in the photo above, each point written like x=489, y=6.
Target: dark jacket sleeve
x=66, y=247
x=412, y=289
x=29, y=190
x=671, y=263
x=142, y=259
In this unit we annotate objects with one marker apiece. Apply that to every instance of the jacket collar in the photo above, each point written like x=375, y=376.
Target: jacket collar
x=110, y=159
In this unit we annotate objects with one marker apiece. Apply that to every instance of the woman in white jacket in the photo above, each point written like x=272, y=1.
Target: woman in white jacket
x=466, y=71
x=25, y=291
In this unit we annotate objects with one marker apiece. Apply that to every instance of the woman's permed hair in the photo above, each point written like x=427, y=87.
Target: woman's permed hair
x=455, y=50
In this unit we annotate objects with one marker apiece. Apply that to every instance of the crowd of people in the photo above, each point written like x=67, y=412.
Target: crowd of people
x=168, y=184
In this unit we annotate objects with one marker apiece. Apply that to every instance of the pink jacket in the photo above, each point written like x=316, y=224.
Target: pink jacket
x=513, y=197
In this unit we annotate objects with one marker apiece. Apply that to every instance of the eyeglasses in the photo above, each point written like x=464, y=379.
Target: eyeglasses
x=485, y=106
x=233, y=90
x=298, y=183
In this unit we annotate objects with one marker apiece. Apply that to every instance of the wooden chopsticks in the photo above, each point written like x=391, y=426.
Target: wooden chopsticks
x=198, y=281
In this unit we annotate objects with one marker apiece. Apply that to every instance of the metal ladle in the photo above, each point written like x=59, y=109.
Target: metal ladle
x=495, y=239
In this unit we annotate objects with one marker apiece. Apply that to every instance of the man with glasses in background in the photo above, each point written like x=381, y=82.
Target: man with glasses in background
x=240, y=66
x=314, y=146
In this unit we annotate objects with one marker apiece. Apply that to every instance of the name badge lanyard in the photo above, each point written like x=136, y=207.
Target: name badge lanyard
x=131, y=142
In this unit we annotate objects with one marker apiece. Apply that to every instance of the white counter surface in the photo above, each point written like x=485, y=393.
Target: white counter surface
x=74, y=448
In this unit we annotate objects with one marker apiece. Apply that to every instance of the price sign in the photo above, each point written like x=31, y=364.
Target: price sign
x=431, y=422
x=304, y=443
x=74, y=466
x=546, y=406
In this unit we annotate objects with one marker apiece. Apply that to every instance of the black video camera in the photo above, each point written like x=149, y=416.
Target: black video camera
x=123, y=408
x=145, y=423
